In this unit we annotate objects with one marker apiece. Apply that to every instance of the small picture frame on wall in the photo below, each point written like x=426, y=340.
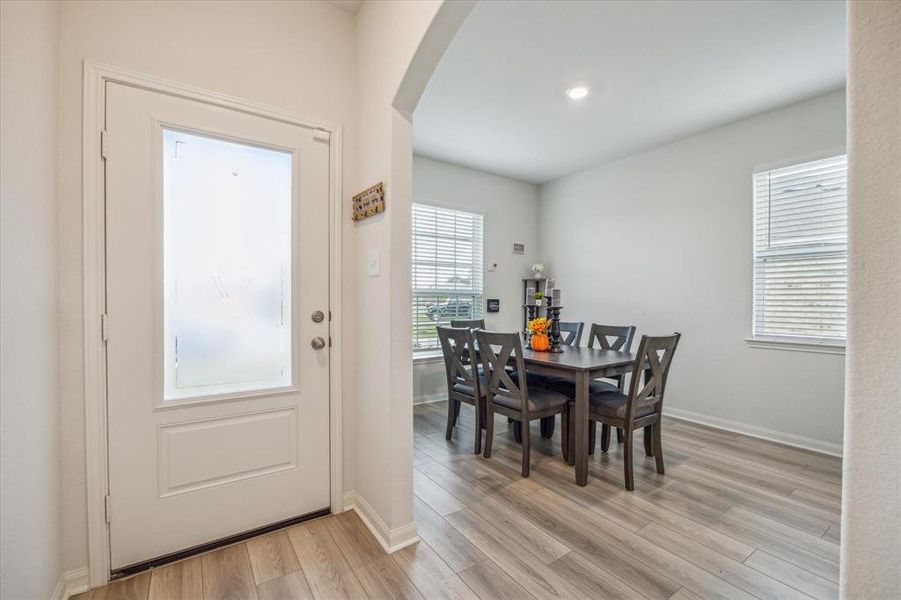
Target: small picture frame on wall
x=369, y=202
x=493, y=305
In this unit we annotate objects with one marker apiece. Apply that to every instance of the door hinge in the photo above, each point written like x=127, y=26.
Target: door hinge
x=107, y=507
x=321, y=135
x=329, y=341
x=104, y=327
x=104, y=144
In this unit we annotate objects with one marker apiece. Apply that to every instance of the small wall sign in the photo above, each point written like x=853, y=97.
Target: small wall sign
x=369, y=202
x=494, y=305
x=519, y=248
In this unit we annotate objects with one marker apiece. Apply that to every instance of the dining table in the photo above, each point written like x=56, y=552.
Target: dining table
x=581, y=366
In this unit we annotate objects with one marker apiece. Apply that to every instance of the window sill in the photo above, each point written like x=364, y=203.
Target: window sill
x=797, y=345
x=427, y=357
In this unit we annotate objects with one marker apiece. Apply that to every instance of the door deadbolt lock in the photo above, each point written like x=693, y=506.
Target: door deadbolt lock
x=318, y=343
x=318, y=316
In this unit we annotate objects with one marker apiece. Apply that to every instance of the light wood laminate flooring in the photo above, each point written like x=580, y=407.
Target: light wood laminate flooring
x=734, y=517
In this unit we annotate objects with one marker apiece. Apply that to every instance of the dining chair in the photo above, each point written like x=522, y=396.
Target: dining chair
x=642, y=406
x=464, y=383
x=571, y=334
x=605, y=337
x=510, y=394
x=609, y=337
x=470, y=323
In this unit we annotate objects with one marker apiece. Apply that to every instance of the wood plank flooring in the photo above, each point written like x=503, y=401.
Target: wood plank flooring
x=734, y=517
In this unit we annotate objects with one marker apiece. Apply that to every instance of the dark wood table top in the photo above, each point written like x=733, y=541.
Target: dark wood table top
x=574, y=358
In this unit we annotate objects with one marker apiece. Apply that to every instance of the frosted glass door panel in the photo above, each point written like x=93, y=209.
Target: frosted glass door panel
x=227, y=266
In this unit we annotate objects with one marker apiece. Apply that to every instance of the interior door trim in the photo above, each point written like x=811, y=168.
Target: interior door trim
x=95, y=78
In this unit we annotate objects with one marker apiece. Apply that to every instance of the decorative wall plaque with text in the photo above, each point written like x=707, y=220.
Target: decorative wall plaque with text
x=369, y=202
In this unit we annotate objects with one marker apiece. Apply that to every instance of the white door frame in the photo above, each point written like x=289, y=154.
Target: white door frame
x=94, y=279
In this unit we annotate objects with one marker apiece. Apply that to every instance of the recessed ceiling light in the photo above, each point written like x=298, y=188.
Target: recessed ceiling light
x=577, y=92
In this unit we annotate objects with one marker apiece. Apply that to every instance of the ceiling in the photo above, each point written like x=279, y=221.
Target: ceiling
x=658, y=71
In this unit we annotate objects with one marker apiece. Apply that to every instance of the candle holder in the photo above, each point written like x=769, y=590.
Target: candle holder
x=531, y=312
x=553, y=313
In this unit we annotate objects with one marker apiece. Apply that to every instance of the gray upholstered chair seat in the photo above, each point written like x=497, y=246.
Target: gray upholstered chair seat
x=462, y=388
x=539, y=399
x=613, y=404
x=533, y=380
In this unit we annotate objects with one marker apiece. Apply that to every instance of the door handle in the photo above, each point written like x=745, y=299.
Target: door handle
x=317, y=343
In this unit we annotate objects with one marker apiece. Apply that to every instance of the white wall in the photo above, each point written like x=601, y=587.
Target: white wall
x=297, y=56
x=871, y=479
x=510, y=214
x=393, y=69
x=308, y=58
x=29, y=404
x=663, y=240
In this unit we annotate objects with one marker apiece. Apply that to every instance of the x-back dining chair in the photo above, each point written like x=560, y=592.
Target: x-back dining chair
x=509, y=394
x=571, y=332
x=610, y=337
x=468, y=324
x=464, y=384
x=642, y=407
x=604, y=337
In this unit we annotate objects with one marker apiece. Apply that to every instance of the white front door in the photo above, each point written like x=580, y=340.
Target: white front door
x=217, y=304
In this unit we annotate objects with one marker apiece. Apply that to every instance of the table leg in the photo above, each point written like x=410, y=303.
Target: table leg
x=580, y=428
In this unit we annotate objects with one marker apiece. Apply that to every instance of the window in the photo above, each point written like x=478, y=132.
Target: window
x=447, y=271
x=226, y=265
x=801, y=252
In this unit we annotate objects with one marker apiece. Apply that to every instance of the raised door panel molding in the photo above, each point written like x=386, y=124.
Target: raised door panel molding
x=247, y=445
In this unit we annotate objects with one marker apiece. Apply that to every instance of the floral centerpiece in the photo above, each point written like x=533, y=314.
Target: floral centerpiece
x=539, y=328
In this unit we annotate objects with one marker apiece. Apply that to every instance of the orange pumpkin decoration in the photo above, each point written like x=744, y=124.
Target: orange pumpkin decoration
x=539, y=342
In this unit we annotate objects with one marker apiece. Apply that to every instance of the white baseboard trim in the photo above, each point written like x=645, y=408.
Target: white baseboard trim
x=70, y=583
x=59, y=592
x=430, y=398
x=771, y=435
x=391, y=540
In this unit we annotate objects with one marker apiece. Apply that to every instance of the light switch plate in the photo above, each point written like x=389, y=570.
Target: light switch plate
x=373, y=263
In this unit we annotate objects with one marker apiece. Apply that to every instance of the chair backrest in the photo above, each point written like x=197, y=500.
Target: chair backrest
x=469, y=323
x=654, y=357
x=460, y=363
x=611, y=337
x=496, y=349
x=571, y=332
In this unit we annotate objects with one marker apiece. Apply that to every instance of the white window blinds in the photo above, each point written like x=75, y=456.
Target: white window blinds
x=800, y=252
x=447, y=271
